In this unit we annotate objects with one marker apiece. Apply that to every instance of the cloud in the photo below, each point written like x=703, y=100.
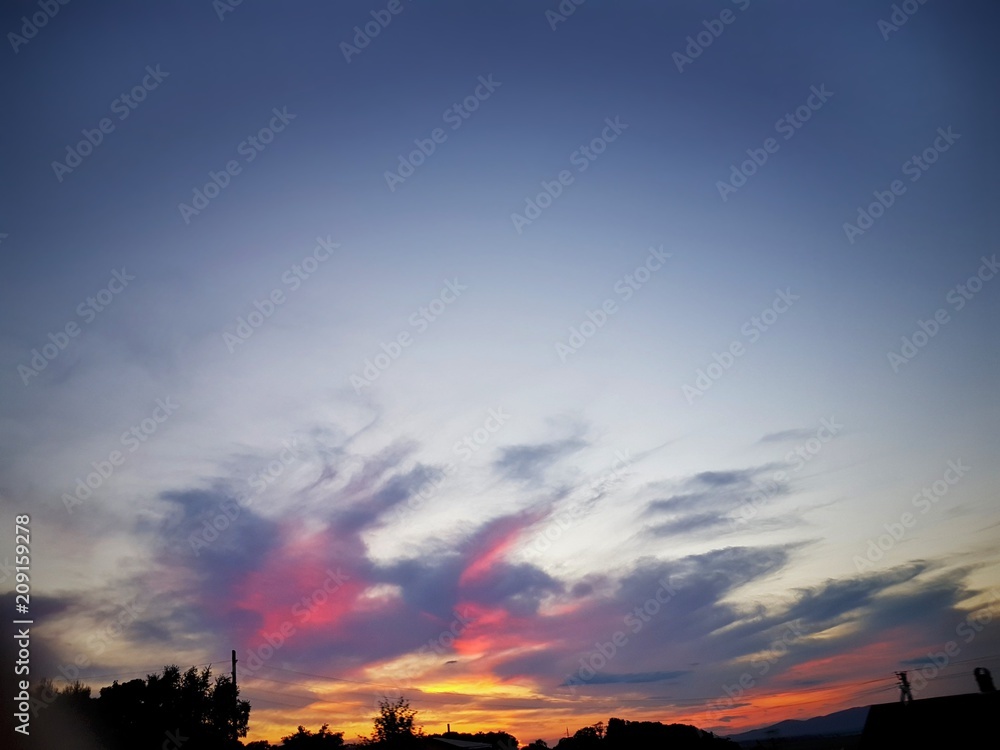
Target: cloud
x=677, y=503
x=466, y=596
x=830, y=603
x=784, y=436
x=519, y=589
x=216, y=530
x=680, y=630
x=725, y=478
x=606, y=678
x=908, y=610
x=395, y=492
x=711, y=500
x=527, y=463
x=691, y=523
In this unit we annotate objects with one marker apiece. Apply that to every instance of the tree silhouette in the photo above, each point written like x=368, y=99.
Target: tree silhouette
x=586, y=738
x=303, y=739
x=621, y=734
x=167, y=710
x=394, y=725
x=191, y=705
x=62, y=718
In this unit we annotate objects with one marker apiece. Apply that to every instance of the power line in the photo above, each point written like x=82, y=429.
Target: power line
x=254, y=691
x=277, y=703
x=270, y=679
x=322, y=676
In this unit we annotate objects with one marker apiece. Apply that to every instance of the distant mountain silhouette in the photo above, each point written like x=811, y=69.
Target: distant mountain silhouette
x=847, y=722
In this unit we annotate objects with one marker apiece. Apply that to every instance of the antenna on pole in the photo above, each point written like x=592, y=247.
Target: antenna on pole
x=984, y=679
x=905, y=696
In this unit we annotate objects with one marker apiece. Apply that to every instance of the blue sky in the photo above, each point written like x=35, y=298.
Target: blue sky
x=665, y=371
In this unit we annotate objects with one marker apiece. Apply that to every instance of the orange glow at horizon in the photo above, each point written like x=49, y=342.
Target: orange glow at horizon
x=469, y=704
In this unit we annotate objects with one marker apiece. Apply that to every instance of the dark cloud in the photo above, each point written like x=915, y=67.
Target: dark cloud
x=724, y=478
x=429, y=584
x=215, y=534
x=517, y=588
x=394, y=492
x=669, y=613
x=583, y=588
x=529, y=462
x=375, y=468
x=713, y=501
x=911, y=605
x=831, y=603
x=788, y=435
x=473, y=569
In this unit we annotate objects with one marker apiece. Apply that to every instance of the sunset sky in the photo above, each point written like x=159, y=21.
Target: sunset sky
x=539, y=365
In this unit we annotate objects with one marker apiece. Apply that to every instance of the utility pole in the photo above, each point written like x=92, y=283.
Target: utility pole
x=236, y=699
x=905, y=696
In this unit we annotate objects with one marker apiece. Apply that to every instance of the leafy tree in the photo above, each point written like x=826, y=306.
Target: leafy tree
x=225, y=709
x=394, y=725
x=303, y=739
x=167, y=709
x=60, y=717
x=139, y=714
x=587, y=738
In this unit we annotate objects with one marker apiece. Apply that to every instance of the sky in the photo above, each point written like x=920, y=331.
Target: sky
x=540, y=362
